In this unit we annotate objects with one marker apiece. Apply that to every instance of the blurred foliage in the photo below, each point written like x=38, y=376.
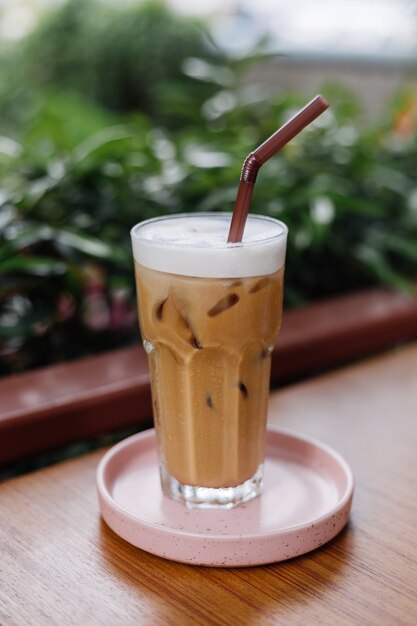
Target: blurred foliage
x=81, y=175
x=121, y=58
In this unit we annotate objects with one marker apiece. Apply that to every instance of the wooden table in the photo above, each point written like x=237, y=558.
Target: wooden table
x=61, y=565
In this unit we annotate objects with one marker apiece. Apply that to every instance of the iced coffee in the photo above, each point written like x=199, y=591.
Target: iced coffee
x=209, y=315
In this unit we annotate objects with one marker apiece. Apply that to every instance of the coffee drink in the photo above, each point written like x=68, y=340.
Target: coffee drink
x=209, y=314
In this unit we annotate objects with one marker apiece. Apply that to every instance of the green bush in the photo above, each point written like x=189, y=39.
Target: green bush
x=81, y=177
x=123, y=59
x=81, y=173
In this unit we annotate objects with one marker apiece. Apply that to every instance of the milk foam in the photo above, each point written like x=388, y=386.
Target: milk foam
x=196, y=245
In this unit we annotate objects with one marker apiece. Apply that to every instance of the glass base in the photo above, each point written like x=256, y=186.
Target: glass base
x=210, y=497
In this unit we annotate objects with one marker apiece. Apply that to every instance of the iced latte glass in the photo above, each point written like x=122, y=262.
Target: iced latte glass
x=209, y=313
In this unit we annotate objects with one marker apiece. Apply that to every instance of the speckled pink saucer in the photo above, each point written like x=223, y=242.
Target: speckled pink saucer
x=306, y=502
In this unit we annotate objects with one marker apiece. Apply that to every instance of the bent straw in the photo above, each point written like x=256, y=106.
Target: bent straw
x=255, y=159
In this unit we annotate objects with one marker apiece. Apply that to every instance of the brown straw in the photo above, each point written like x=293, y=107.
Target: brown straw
x=255, y=159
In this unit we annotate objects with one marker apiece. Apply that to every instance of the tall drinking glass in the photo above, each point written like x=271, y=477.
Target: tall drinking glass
x=209, y=313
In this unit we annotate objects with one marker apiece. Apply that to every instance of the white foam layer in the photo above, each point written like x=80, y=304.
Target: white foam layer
x=196, y=245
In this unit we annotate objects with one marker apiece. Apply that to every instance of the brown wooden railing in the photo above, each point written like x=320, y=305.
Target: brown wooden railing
x=64, y=403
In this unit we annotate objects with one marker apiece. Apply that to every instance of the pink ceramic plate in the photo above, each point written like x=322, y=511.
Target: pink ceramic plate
x=306, y=502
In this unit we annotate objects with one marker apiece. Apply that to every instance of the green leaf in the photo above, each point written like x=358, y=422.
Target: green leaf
x=25, y=327
x=103, y=138
x=36, y=266
x=9, y=147
x=28, y=236
x=92, y=246
x=401, y=245
x=379, y=265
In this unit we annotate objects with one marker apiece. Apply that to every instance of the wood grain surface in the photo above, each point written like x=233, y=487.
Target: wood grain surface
x=61, y=565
